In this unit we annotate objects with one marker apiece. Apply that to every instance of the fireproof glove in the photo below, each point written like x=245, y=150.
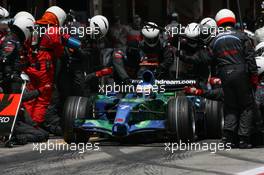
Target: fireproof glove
x=104, y=72
x=190, y=90
x=215, y=81
x=254, y=80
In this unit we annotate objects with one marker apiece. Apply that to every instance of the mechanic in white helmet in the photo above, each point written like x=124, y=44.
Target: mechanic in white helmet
x=150, y=51
x=235, y=57
x=233, y=54
x=11, y=81
x=92, y=69
x=12, y=67
x=45, y=49
x=79, y=67
x=10, y=54
x=198, y=37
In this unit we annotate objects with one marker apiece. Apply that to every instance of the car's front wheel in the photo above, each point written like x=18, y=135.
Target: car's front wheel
x=74, y=108
x=181, y=121
x=214, y=119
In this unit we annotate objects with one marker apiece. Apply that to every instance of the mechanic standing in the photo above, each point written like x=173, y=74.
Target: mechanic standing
x=235, y=57
x=233, y=54
x=42, y=57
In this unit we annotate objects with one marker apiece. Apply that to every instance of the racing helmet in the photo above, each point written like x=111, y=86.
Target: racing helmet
x=225, y=16
x=24, y=26
x=144, y=89
x=260, y=64
x=192, y=30
x=25, y=15
x=99, y=26
x=260, y=57
x=208, y=29
x=3, y=12
x=151, y=34
x=59, y=13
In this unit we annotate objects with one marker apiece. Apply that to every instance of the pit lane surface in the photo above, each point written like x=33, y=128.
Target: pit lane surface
x=115, y=159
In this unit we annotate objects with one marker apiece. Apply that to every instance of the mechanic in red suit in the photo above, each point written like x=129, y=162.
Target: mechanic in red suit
x=42, y=56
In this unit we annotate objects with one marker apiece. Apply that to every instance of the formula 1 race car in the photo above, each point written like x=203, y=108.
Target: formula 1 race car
x=119, y=116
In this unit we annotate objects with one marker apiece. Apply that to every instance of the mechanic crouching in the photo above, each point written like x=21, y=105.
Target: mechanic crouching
x=12, y=58
x=11, y=47
x=151, y=54
x=92, y=43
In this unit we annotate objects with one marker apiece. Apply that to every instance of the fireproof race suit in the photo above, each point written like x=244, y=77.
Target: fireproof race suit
x=234, y=55
x=10, y=68
x=129, y=65
x=41, y=71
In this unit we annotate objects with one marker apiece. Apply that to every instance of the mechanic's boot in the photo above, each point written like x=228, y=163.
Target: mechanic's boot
x=19, y=140
x=228, y=143
x=244, y=143
x=228, y=140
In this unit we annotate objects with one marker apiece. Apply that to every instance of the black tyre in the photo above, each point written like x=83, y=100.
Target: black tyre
x=214, y=119
x=75, y=108
x=181, y=121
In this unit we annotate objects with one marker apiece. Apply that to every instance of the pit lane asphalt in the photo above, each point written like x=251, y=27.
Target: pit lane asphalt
x=114, y=158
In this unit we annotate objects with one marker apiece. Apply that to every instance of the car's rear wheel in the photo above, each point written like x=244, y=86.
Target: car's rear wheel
x=181, y=119
x=75, y=108
x=214, y=119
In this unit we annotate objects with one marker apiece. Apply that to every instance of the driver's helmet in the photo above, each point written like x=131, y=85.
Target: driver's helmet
x=144, y=90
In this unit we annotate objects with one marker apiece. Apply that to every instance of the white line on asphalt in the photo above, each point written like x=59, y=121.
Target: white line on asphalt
x=133, y=149
x=255, y=171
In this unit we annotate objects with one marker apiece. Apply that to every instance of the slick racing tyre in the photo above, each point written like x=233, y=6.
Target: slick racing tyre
x=214, y=119
x=74, y=108
x=181, y=121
